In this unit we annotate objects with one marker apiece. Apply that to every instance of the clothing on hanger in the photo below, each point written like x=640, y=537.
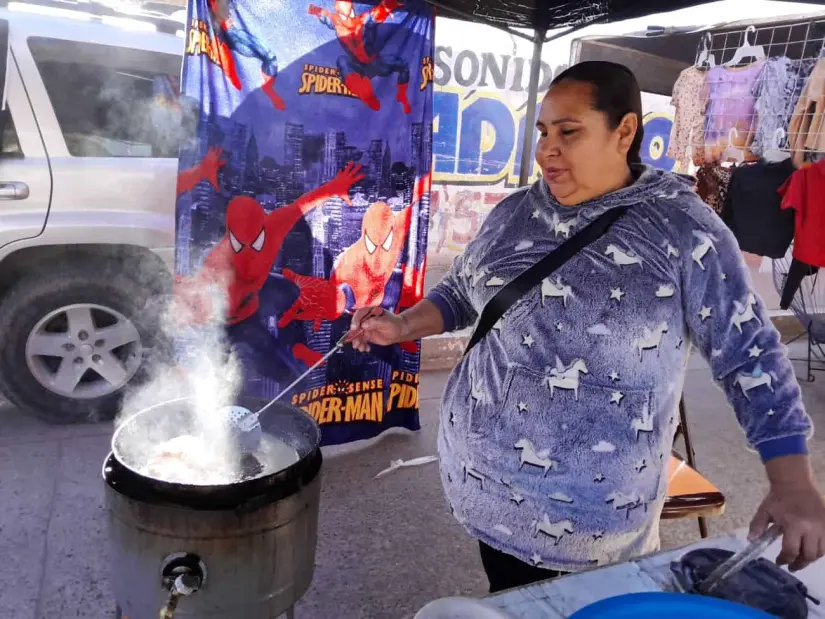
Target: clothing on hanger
x=773, y=89
x=687, y=137
x=731, y=105
x=804, y=193
x=712, y=181
x=803, y=69
x=806, y=126
x=753, y=211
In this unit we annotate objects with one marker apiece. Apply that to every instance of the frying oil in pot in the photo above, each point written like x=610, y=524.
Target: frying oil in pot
x=195, y=460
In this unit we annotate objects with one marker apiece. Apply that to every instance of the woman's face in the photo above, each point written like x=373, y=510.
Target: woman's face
x=580, y=156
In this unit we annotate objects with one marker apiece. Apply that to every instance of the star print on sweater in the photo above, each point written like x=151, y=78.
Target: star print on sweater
x=541, y=403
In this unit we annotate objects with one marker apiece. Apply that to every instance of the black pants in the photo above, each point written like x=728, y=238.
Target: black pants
x=797, y=272
x=506, y=572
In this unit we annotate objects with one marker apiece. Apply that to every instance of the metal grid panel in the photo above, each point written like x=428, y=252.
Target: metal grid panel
x=755, y=109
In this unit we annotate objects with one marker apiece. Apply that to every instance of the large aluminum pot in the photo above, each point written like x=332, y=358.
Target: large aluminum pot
x=245, y=549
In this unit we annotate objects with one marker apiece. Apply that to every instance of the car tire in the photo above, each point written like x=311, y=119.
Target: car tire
x=100, y=287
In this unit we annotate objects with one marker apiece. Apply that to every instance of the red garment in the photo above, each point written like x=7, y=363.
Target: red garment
x=804, y=192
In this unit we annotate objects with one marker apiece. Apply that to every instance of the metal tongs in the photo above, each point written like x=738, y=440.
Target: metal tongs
x=739, y=560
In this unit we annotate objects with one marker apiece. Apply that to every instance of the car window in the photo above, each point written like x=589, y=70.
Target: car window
x=112, y=101
x=9, y=144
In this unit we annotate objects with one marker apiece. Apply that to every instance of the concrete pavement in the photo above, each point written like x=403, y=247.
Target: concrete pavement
x=386, y=547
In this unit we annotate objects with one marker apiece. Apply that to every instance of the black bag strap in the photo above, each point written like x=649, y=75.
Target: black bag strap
x=533, y=276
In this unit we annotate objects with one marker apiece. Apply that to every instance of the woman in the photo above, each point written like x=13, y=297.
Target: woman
x=557, y=426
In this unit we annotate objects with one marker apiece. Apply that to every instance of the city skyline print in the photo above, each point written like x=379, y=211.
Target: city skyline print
x=306, y=185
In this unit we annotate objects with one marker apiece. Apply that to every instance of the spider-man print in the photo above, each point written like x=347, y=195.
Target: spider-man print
x=238, y=38
x=207, y=170
x=363, y=60
x=242, y=262
x=362, y=271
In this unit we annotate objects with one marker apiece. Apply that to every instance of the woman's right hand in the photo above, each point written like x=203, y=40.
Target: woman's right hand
x=375, y=325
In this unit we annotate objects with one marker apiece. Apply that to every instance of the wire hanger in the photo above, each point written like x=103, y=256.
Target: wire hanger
x=746, y=50
x=731, y=152
x=774, y=154
x=705, y=56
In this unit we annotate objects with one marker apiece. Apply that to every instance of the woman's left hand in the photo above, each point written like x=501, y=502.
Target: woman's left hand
x=799, y=511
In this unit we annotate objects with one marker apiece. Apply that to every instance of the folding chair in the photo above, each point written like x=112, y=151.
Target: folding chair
x=689, y=494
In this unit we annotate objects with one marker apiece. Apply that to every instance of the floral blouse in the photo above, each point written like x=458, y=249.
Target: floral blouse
x=687, y=134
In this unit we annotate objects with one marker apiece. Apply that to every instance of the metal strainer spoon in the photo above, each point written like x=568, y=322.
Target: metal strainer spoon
x=245, y=425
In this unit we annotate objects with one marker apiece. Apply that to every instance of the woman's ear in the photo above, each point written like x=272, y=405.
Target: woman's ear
x=626, y=131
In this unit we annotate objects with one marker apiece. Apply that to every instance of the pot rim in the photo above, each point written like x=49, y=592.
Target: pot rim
x=124, y=478
x=245, y=496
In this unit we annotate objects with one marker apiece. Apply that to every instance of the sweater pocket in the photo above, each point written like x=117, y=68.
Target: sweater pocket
x=590, y=445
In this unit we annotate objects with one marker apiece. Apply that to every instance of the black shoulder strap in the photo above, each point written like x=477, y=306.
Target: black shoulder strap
x=532, y=277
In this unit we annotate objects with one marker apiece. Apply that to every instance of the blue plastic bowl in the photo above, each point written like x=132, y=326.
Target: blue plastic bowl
x=670, y=605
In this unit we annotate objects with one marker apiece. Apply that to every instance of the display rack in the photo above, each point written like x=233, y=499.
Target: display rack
x=809, y=307
x=794, y=130
x=796, y=125
x=796, y=40
x=815, y=359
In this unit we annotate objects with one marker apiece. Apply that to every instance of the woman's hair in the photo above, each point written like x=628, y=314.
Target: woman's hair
x=615, y=94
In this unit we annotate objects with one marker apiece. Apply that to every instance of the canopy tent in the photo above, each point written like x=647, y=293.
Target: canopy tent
x=538, y=21
x=559, y=18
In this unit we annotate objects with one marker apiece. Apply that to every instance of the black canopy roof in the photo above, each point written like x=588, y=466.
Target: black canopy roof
x=545, y=15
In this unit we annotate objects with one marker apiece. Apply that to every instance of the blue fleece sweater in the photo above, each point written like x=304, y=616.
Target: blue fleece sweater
x=556, y=428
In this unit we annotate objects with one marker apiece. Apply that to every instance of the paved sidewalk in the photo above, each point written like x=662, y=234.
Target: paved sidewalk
x=386, y=547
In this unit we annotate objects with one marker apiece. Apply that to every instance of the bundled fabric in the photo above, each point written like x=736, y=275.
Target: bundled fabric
x=761, y=584
x=753, y=211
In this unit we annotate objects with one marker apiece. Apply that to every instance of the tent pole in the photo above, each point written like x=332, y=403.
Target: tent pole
x=532, y=101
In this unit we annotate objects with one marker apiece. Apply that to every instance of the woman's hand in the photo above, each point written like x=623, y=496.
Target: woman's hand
x=799, y=511
x=375, y=325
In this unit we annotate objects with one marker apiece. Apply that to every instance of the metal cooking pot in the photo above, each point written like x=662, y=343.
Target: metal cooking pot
x=243, y=549
x=163, y=422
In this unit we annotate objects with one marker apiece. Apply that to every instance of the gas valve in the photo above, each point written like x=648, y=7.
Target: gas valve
x=182, y=575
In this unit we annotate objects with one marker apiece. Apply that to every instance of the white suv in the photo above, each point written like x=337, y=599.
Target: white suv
x=87, y=191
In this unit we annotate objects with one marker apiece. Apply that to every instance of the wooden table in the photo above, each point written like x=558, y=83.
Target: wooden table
x=562, y=597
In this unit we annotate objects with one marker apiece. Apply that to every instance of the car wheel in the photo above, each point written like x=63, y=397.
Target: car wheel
x=71, y=342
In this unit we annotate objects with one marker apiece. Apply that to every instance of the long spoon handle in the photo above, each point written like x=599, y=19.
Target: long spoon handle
x=312, y=368
x=345, y=339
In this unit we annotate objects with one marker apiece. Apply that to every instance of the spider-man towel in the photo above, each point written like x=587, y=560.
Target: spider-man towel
x=307, y=189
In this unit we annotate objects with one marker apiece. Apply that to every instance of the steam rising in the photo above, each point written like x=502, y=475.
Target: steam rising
x=203, y=375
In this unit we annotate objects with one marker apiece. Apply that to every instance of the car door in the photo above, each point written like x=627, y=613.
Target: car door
x=25, y=177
